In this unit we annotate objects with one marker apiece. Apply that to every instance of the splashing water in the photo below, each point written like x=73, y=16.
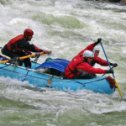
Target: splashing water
x=65, y=27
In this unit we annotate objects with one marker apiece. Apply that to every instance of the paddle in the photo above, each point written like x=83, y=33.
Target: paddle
x=23, y=57
x=117, y=85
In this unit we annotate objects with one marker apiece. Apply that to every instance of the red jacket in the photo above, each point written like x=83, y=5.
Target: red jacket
x=77, y=64
x=100, y=61
x=90, y=69
x=71, y=71
x=19, y=44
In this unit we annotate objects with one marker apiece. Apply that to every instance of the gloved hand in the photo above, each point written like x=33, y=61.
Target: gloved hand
x=109, y=71
x=114, y=64
x=47, y=52
x=98, y=41
x=14, y=60
x=37, y=54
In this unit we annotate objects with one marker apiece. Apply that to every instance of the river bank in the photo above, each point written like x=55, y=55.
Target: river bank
x=123, y=2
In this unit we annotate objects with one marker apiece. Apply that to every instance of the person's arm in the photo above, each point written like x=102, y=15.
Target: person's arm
x=104, y=62
x=89, y=69
x=31, y=47
x=90, y=47
x=101, y=61
x=42, y=50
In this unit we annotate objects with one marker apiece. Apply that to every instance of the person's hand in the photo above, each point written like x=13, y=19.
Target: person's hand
x=14, y=60
x=98, y=41
x=114, y=64
x=37, y=54
x=47, y=52
x=109, y=71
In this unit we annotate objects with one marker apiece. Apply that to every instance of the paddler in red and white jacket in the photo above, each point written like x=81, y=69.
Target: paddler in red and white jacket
x=20, y=46
x=71, y=70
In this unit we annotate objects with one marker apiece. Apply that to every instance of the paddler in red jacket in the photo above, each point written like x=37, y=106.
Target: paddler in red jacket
x=20, y=46
x=73, y=70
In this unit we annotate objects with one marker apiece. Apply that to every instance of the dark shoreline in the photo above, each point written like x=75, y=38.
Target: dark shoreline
x=123, y=2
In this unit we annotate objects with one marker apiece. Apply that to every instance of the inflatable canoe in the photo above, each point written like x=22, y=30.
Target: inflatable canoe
x=55, y=80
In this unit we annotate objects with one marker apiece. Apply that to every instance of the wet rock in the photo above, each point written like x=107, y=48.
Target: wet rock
x=114, y=0
x=123, y=1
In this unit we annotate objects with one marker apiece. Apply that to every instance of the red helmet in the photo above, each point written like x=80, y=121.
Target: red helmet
x=28, y=32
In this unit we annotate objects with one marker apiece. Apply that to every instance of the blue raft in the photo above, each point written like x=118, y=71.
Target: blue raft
x=100, y=84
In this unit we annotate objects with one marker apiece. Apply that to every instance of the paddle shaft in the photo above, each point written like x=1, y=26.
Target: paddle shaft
x=23, y=57
x=31, y=55
x=107, y=58
x=117, y=85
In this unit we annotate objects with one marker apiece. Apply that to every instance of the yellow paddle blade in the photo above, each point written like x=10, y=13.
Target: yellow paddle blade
x=23, y=57
x=4, y=61
x=118, y=88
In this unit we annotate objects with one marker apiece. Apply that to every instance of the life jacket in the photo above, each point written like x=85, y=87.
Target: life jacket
x=12, y=44
x=71, y=71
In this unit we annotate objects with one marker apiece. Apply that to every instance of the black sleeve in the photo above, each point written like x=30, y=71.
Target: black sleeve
x=26, y=46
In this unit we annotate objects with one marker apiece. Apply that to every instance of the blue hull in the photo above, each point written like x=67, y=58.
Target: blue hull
x=39, y=80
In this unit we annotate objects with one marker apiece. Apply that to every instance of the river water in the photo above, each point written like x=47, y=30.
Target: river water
x=65, y=27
